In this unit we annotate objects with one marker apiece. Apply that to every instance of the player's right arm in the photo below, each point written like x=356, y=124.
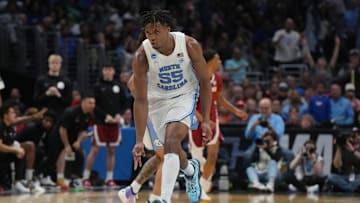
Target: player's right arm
x=140, y=67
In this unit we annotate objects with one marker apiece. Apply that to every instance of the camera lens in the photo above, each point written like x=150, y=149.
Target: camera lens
x=312, y=150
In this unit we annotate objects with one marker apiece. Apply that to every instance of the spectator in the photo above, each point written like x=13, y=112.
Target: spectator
x=264, y=163
x=128, y=121
x=350, y=94
x=286, y=43
x=251, y=107
x=322, y=67
x=237, y=66
x=68, y=42
x=76, y=98
x=271, y=122
x=293, y=117
x=307, y=122
x=311, y=165
x=53, y=90
x=308, y=94
x=347, y=163
x=262, y=122
x=319, y=105
x=237, y=94
x=341, y=110
x=15, y=97
x=294, y=101
x=276, y=106
x=351, y=72
x=283, y=91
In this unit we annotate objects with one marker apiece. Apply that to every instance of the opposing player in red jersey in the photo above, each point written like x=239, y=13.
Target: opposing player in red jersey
x=197, y=146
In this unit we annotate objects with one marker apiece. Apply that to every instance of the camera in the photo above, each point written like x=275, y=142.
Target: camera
x=263, y=122
x=262, y=141
x=309, y=151
x=343, y=138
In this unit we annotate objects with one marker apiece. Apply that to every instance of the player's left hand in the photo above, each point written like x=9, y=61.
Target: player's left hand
x=242, y=115
x=138, y=152
x=118, y=119
x=206, y=131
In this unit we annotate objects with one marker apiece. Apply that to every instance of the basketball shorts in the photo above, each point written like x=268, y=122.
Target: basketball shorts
x=107, y=135
x=195, y=136
x=181, y=109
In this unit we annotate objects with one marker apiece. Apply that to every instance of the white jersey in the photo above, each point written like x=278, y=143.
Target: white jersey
x=170, y=76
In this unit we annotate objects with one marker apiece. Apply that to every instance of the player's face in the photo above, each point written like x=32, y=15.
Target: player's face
x=47, y=123
x=55, y=65
x=217, y=62
x=157, y=34
x=10, y=116
x=89, y=105
x=108, y=73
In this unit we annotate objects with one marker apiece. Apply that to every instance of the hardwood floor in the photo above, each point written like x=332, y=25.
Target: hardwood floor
x=178, y=197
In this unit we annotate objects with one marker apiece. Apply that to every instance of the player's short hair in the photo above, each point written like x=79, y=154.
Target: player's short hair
x=6, y=107
x=87, y=94
x=53, y=57
x=209, y=54
x=156, y=16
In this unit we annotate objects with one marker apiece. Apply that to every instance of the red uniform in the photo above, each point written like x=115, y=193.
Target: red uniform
x=196, y=135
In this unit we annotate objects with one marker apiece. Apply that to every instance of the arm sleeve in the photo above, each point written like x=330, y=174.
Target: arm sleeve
x=248, y=134
x=40, y=97
x=66, y=119
x=279, y=126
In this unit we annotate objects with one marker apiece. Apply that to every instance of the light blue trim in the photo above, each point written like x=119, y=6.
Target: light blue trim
x=153, y=136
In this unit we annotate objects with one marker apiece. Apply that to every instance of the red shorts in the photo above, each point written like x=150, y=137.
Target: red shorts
x=107, y=135
x=196, y=136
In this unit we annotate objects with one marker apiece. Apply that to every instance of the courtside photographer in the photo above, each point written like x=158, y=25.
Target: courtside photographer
x=346, y=178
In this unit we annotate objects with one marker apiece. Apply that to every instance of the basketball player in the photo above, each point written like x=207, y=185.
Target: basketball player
x=208, y=165
x=170, y=66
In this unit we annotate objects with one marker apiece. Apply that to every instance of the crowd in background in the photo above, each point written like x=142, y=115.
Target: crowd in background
x=255, y=36
x=259, y=36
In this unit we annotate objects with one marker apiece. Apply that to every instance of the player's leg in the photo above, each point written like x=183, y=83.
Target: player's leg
x=196, y=146
x=174, y=159
x=156, y=193
x=151, y=142
x=60, y=169
x=128, y=193
x=110, y=163
x=208, y=170
x=113, y=140
x=29, y=148
x=89, y=164
x=209, y=166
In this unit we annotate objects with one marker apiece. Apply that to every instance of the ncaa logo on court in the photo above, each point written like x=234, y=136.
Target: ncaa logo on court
x=153, y=56
x=157, y=143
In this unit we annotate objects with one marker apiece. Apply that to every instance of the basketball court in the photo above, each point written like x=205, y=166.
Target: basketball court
x=178, y=197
